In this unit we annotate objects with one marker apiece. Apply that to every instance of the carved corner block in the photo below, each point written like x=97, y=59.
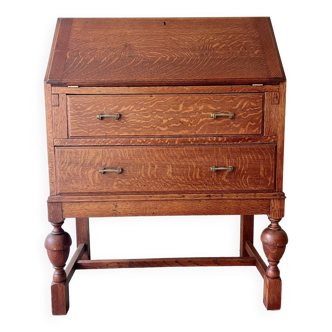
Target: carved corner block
x=277, y=208
x=55, y=214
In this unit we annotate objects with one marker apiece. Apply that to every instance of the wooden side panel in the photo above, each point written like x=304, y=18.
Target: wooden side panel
x=49, y=128
x=166, y=169
x=165, y=115
x=281, y=133
x=274, y=125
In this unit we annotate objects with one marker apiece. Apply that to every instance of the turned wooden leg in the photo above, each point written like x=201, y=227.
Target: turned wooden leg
x=274, y=240
x=58, y=244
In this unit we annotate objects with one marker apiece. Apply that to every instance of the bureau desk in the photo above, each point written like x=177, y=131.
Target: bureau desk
x=165, y=117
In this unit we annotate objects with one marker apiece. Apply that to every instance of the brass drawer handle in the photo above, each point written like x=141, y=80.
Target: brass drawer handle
x=109, y=170
x=214, y=169
x=230, y=115
x=116, y=116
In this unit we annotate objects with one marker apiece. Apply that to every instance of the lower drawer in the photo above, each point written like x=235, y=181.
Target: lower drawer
x=151, y=169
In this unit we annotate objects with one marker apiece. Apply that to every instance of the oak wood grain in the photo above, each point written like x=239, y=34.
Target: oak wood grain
x=183, y=51
x=165, y=115
x=165, y=169
x=55, y=100
x=51, y=56
x=165, y=77
x=271, y=116
x=60, y=129
x=60, y=45
x=277, y=210
x=49, y=130
x=175, y=207
x=281, y=136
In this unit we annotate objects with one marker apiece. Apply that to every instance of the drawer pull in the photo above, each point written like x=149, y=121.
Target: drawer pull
x=215, y=115
x=109, y=170
x=214, y=169
x=116, y=116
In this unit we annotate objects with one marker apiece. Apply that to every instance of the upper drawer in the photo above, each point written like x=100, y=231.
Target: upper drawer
x=165, y=115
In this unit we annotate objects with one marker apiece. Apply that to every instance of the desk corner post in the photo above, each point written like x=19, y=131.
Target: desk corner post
x=274, y=240
x=57, y=244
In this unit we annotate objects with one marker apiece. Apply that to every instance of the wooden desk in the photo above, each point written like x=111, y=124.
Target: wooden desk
x=163, y=117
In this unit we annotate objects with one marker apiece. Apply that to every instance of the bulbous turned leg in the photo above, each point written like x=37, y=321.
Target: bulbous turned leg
x=274, y=240
x=58, y=244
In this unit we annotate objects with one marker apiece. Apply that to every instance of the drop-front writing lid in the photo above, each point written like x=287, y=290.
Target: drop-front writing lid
x=164, y=51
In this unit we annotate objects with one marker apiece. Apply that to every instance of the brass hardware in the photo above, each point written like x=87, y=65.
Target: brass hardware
x=109, y=170
x=230, y=115
x=72, y=86
x=101, y=116
x=260, y=84
x=214, y=169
